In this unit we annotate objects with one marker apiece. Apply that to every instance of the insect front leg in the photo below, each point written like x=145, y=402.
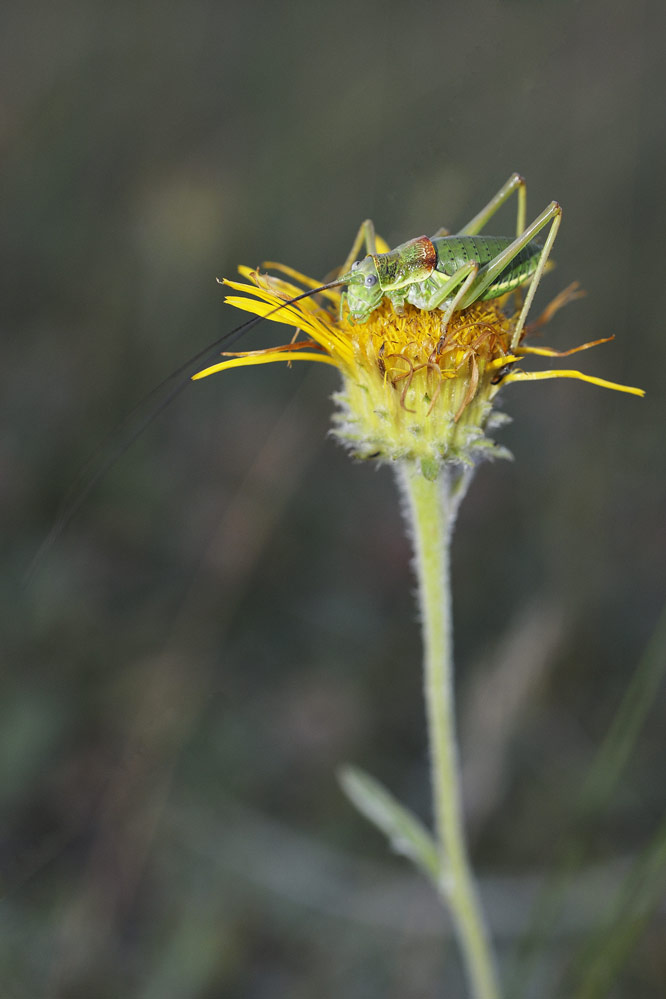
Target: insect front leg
x=514, y=183
x=365, y=235
x=451, y=290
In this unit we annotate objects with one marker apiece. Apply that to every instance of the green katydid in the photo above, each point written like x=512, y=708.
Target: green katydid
x=452, y=272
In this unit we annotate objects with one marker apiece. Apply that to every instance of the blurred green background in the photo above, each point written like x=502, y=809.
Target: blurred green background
x=229, y=616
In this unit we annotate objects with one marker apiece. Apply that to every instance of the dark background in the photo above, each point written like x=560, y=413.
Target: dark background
x=229, y=615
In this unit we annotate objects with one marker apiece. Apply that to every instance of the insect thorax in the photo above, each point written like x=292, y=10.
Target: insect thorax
x=407, y=264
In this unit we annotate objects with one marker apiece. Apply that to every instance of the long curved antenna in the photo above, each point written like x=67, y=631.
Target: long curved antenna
x=114, y=445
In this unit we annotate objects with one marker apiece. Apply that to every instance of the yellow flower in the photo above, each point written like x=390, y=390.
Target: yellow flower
x=408, y=393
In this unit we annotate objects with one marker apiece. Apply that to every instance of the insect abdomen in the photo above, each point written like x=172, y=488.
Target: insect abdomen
x=455, y=251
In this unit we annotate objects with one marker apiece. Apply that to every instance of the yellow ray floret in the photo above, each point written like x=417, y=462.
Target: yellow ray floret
x=537, y=376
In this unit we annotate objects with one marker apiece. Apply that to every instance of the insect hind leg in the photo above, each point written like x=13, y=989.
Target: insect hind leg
x=491, y=271
x=538, y=274
x=514, y=183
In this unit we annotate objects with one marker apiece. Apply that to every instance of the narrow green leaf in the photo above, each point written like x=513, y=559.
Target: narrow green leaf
x=405, y=832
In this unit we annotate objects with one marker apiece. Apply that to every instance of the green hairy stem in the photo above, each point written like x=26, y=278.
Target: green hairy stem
x=430, y=507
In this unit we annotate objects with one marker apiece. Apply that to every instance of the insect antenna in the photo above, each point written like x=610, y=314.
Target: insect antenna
x=125, y=433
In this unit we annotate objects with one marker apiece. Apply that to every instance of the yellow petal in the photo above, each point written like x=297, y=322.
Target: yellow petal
x=249, y=360
x=536, y=376
x=550, y=352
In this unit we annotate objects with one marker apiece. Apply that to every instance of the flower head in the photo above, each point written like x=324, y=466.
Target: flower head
x=410, y=391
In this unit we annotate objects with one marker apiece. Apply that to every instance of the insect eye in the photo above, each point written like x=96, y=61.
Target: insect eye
x=371, y=280
x=355, y=264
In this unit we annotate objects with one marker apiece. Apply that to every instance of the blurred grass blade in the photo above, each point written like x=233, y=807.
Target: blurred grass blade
x=597, y=790
x=602, y=959
x=405, y=832
x=607, y=768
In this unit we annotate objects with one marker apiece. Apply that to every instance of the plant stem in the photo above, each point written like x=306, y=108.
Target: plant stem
x=431, y=507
